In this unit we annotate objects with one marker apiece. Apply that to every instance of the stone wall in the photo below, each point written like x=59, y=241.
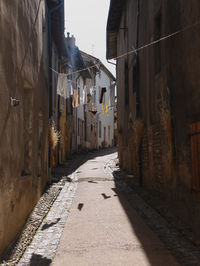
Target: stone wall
x=165, y=98
x=24, y=128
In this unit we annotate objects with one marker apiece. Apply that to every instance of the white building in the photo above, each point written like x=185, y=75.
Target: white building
x=102, y=102
x=105, y=98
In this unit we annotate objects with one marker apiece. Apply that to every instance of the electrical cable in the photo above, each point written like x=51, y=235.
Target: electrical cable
x=142, y=47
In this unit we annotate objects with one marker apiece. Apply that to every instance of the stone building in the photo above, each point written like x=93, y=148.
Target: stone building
x=32, y=44
x=57, y=52
x=24, y=101
x=78, y=80
x=159, y=96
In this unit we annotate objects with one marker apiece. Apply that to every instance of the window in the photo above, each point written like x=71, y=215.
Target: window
x=79, y=128
x=99, y=129
x=108, y=132
x=195, y=154
x=83, y=127
x=95, y=95
x=79, y=95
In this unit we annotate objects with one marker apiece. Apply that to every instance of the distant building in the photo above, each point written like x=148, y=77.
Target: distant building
x=101, y=104
x=105, y=104
x=78, y=79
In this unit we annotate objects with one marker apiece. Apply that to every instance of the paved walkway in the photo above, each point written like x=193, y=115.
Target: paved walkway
x=103, y=229
x=91, y=223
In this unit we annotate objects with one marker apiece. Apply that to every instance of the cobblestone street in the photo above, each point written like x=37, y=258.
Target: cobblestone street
x=98, y=220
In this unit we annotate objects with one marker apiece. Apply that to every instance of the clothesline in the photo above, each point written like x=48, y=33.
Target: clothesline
x=140, y=48
x=78, y=71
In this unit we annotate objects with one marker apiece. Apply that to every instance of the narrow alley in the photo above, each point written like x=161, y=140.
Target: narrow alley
x=93, y=222
x=103, y=229
x=99, y=133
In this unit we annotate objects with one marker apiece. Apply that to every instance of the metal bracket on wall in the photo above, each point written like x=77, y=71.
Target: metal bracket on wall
x=14, y=102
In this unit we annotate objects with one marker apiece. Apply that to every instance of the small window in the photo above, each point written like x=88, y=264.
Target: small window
x=83, y=127
x=79, y=129
x=195, y=155
x=99, y=129
x=95, y=95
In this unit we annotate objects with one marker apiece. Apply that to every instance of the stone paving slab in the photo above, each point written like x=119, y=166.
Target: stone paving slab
x=106, y=230
x=43, y=247
x=183, y=250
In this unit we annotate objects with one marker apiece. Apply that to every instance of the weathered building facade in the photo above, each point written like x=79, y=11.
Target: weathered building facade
x=105, y=106
x=156, y=45
x=24, y=101
x=100, y=104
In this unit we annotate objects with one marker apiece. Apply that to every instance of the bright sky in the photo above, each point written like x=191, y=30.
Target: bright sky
x=86, y=20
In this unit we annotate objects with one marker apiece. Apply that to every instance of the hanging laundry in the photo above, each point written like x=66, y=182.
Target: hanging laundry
x=106, y=109
x=71, y=90
x=63, y=86
x=84, y=95
x=75, y=99
x=103, y=109
x=91, y=90
x=103, y=90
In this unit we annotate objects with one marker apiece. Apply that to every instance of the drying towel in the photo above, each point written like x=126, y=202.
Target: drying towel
x=103, y=109
x=106, y=109
x=63, y=86
x=75, y=99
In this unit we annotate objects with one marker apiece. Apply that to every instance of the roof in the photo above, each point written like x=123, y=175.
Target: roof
x=94, y=60
x=77, y=61
x=114, y=17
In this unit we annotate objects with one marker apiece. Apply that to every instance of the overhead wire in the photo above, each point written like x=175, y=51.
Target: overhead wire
x=141, y=47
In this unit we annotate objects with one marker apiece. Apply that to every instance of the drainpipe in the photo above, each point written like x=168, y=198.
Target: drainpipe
x=137, y=63
x=50, y=12
x=138, y=91
x=111, y=62
x=76, y=113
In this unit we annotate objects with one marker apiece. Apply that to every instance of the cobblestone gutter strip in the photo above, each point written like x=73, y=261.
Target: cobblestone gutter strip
x=182, y=249
x=35, y=219
x=44, y=245
x=16, y=250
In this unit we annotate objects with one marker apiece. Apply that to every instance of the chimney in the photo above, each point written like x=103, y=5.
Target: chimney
x=71, y=41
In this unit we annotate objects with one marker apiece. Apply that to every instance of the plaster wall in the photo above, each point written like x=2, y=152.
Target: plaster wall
x=107, y=120
x=24, y=128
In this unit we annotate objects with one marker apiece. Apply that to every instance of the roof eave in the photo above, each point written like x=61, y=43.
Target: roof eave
x=114, y=17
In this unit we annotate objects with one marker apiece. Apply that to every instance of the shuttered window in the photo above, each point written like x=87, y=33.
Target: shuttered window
x=195, y=153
